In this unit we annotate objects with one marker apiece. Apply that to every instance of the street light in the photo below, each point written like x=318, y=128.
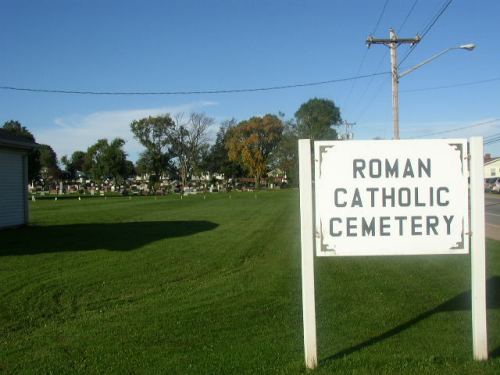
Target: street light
x=467, y=47
x=396, y=76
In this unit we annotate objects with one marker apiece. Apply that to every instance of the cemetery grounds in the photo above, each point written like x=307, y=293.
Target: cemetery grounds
x=211, y=284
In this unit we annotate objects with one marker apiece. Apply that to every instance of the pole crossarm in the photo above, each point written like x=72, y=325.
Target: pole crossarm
x=371, y=40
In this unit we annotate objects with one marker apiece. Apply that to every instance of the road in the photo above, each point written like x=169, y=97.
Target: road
x=492, y=211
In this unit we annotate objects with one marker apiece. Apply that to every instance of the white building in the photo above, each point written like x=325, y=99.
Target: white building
x=13, y=179
x=492, y=168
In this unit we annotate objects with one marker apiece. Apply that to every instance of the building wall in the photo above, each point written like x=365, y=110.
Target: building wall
x=492, y=169
x=13, y=188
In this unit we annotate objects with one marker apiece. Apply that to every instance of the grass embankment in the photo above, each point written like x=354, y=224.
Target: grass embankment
x=164, y=285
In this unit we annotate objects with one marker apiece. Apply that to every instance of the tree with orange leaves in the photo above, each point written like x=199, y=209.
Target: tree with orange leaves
x=251, y=142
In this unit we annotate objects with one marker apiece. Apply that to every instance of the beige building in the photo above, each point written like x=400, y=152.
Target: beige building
x=492, y=168
x=13, y=179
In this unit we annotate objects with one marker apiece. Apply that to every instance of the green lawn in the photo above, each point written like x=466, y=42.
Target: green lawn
x=198, y=286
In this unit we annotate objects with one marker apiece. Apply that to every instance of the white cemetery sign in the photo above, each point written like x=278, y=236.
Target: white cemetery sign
x=391, y=198
x=404, y=197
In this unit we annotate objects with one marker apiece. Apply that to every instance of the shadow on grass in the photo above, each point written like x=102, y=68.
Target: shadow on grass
x=81, y=237
x=461, y=302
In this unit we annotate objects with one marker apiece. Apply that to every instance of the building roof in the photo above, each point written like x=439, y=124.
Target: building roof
x=493, y=160
x=7, y=139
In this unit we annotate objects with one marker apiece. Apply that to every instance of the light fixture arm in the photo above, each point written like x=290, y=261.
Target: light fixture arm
x=468, y=47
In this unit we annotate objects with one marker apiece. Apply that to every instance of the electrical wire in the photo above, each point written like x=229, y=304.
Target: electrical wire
x=407, y=16
x=426, y=29
x=461, y=128
x=492, y=139
x=433, y=22
x=349, y=93
x=380, y=17
x=223, y=91
x=372, y=99
x=368, y=105
x=348, y=97
x=452, y=86
x=492, y=136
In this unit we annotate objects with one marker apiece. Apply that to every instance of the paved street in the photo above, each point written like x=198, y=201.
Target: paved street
x=492, y=210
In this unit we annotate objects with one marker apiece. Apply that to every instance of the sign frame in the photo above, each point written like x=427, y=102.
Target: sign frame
x=420, y=169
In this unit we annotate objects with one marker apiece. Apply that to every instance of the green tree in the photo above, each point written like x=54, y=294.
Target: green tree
x=251, y=143
x=143, y=164
x=189, y=143
x=48, y=161
x=116, y=159
x=106, y=160
x=316, y=119
x=155, y=134
x=16, y=128
x=34, y=166
x=146, y=164
x=74, y=163
x=129, y=170
x=93, y=165
x=217, y=160
x=285, y=157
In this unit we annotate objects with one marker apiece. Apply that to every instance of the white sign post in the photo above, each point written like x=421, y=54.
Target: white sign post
x=404, y=197
x=478, y=251
x=307, y=245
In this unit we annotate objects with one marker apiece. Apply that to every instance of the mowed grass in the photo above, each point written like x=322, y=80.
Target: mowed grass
x=212, y=286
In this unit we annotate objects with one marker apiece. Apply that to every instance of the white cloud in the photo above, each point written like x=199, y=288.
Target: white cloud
x=78, y=132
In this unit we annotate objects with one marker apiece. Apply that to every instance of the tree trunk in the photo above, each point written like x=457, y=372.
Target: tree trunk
x=183, y=176
x=257, y=182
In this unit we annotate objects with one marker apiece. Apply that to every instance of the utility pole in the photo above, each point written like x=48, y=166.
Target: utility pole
x=393, y=43
x=348, y=129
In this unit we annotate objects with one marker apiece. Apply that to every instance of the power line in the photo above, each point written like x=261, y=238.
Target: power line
x=349, y=93
x=407, y=16
x=379, y=65
x=372, y=99
x=489, y=137
x=489, y=140
x=380, y=17
x=407, y=54
x=223, y=91
x=452, y=86
x=461, y=128
x=377, y=92
x=492, y=139
x=368, y=85
x=426, y=29
x=348, y=97
x=433, y=22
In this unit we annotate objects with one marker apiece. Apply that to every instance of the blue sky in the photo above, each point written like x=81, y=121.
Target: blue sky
x=209, y=45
